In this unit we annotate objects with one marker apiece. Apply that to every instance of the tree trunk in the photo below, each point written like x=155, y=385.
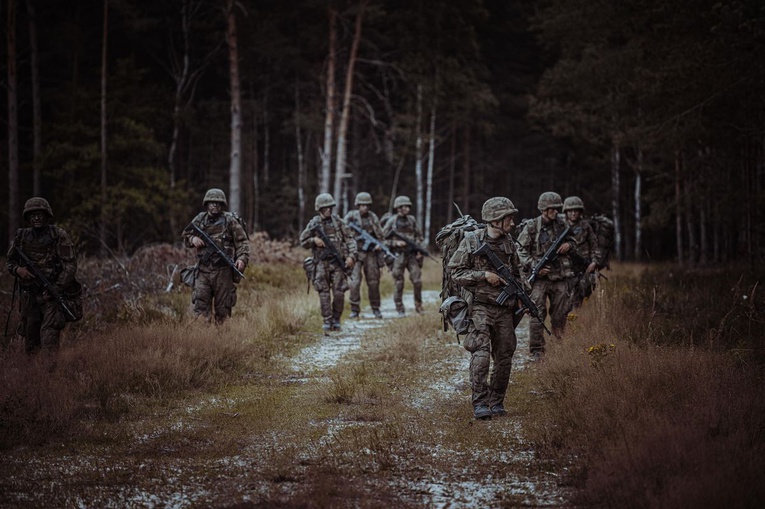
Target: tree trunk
x=36, y=108
x=104, y=159
x=452, y=166
x=678, y=210
x=429, y=178
x=418, y=157
x=329, y=119
x=689, y=217
x=255, y=171
x=466, y=172
x=14, y=216
x=638, y=210
x=615, y=197
x=235, y=175
x=266, y=142
x=340, y=163
x=301, y=164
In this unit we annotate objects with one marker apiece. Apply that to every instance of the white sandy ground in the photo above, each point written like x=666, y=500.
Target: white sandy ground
x=177, y=484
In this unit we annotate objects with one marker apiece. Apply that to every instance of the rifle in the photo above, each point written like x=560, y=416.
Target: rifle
x=550, y=255
x=212, y=248
x=513, y=286
x=370, y=241
x=329, y=246
x=412, y=245
x=45, y=284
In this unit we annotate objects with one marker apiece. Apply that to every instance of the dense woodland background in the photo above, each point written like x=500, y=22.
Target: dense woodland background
x=123, y=112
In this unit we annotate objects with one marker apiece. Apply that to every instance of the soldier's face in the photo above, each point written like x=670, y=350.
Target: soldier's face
x=364, y=209
x=214, y=208
x=37, y=218
x=325, y=212
x=550, y=214
x=403, y=210
x=573, y=215
x=507, y=224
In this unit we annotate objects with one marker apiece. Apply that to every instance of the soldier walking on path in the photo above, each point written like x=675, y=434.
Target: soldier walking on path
x=491, y=338
x=401, y=224
x=334, y=253
x=552, y=280
x=49, y=248
x=588, y=254
x=216, y=279
x=368, y=262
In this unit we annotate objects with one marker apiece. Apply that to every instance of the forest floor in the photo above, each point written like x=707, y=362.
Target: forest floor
x=377, y=415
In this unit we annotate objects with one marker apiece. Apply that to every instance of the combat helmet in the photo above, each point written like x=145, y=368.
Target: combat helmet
x=495, y=209
x=363, y=199
x=400, y=201
x=573, y=203
x=324, y=200
x=215, y=195
x=37, y=203
x=549, y=200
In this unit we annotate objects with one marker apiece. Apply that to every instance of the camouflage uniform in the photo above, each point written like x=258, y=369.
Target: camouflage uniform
x=367, y=262
x=587, y=250
x=51, y=250
x=328, y=274
x=405, y=259
x=536, y=236
x=215, y=284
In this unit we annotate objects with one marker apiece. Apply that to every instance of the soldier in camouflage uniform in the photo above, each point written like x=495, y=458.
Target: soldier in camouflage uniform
x=367, y=262
x=491, y=336
x=215, y=284
x=329, y=278
x=588, y=252
x=537, y=235
x=51, y=250
x=406, y=225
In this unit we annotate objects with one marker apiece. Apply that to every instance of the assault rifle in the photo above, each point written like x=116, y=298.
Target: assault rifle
x=411, y=245
x=213, y=248
x=370, y=241
x=513, y=286
x=43, y=282
x=550, y=255
x=330, y=247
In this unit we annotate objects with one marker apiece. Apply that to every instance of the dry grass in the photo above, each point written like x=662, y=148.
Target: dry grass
x=649, y=413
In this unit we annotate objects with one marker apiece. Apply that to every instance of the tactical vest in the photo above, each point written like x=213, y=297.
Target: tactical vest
x=218, y=229
x=332, y=229
x=543, y=236
x=42, y=249
x=504, y=248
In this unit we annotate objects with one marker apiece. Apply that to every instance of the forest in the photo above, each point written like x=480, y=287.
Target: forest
x=123, y=112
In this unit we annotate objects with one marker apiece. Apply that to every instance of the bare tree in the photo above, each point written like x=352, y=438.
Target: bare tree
x=429, y=177
x=615, y=201
x=340, y=163
x=235, y=173
x=329, y=118
x=14, y=217
x=300, y=161
x=104, y=158
x=418, y=157
x=36, y=108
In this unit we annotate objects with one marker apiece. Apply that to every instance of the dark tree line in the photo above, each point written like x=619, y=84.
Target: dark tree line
x=122, y=113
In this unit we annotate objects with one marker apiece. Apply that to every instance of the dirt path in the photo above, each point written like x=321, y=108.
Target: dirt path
x=402, y=439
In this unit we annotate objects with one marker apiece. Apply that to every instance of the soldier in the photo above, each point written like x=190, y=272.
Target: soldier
x=330, y=261
x=51, y=251
x=405, y=225
x=537, y=236
x=215, y=283
x=368, y=262
x=588, y=255
x=491, y=336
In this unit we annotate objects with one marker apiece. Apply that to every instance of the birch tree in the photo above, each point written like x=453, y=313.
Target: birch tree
x=34, y=63
x=235, y=172
x=104, y=158
x=329, y=115
x=14, y=219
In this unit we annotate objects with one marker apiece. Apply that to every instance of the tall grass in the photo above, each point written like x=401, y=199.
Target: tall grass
x=654, y=398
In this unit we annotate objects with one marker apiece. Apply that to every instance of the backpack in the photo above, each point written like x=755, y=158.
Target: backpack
x=604, y=232
x=448, y=239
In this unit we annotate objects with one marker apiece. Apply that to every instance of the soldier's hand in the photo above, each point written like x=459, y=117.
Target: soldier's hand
x=544, y=271
x=196, y=241
x=377, y=248
x=350, y=262
x=24, y=273
x=591, y=267
x=563, y=249
x=318, y=242
x=419, y=256
x=492, y=278
x=399, y=243
x=240, y=265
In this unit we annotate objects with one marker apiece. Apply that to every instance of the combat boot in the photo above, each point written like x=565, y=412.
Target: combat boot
x=482, y=412
x=377, y=313
x=354, y=313
x=498, y=410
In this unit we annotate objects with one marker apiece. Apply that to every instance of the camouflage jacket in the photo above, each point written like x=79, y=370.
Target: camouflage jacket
x=535, y=237
x=51, y=250
x=227, y=232
x=586, y=241
x=407, y=226
x=370, y=223
x=468, y=270
x=337, y=231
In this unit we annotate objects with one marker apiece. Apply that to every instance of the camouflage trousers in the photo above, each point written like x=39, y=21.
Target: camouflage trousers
x=581, y=288
x=409, y=262
x=331, y=284
x=558, y=294
x=214, y=293
x=491, y=341
x=367, y=264
x=41, y=321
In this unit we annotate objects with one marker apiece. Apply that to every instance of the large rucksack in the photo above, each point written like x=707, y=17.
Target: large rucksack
x=604, y=232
